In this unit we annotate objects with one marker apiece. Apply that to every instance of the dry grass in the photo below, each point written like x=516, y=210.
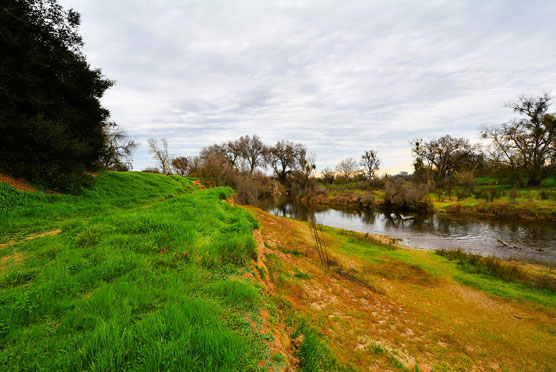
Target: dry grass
x=418, y=320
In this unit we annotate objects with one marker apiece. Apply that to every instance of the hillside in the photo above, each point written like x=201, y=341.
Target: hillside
x=140, y=272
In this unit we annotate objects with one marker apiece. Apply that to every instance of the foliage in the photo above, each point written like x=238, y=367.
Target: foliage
x=51, y=120
x=181, y=165
x=407, y=195
x=253, y=151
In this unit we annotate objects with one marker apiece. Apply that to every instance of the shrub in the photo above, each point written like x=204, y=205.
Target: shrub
x=407, y=196
x=492, y=194
x=462, y=193
x=514, y=194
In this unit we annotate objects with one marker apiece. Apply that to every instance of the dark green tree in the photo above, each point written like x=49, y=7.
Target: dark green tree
x=52, y=125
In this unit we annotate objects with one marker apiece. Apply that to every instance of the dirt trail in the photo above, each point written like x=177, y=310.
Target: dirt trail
x=18, y=184
x=416, y=321
x=30, y=237
x=280, y=342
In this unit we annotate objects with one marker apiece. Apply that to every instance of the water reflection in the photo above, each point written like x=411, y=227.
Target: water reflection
x=533, y=240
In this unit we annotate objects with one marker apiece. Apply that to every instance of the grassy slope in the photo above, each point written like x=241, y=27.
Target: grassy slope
x=419, y=312
x=145, y=274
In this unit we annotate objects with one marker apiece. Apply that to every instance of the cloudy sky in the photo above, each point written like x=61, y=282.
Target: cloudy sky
x=338, y=76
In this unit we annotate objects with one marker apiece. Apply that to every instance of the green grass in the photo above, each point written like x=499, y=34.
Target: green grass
x=144, y=276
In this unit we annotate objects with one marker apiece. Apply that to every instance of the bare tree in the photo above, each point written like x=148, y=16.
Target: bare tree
x=118, y=150
x=527, y=144
x=181, y=165
x=444, y=155
x=302, y=176
x=347, y=168
x=252, y=150
x=231, y=151
x=285, y=157
x=160, y=154
x=370, y=164
x=328, y=175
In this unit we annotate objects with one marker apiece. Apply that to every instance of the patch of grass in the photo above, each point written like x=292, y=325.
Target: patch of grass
x=143, y=276
x=314, y=354
x=507, y=271
x=301, y=275
x=354, y=244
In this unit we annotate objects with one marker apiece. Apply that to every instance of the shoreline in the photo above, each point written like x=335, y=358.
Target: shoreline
x=496, y=209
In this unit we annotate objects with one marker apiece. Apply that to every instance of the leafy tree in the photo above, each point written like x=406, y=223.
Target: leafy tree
x=527, y=144
x=181, y=165
x=160, y=154
x=444, y=155
x=51, y=120
x=370, y=164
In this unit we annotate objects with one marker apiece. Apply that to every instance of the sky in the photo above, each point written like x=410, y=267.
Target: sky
x=340, y=77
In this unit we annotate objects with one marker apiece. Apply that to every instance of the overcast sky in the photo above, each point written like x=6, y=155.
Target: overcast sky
x=339, y=76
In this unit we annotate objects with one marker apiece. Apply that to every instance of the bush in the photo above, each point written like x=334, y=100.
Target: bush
x=514, y=194
x=461, y=193
x=407, y=196
x=492, y=193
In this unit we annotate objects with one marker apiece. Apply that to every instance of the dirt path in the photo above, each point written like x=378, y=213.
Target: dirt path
x=30, y=237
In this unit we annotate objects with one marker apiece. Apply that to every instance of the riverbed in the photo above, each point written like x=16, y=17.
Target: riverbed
x=533, y=241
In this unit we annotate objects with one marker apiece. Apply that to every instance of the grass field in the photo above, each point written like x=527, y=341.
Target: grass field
x=141, y=272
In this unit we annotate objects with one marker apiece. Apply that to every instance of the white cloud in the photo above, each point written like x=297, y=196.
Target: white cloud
x=338, y=76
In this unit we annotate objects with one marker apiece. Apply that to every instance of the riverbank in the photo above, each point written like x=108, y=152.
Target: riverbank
x=523, y=208
x=380, y=306
x=152, y=272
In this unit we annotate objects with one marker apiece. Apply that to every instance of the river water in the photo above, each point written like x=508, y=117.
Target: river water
x=529, y=240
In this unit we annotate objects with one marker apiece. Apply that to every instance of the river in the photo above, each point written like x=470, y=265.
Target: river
x=533, y=241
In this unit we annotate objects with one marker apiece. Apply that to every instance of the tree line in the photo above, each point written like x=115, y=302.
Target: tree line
x=522, y=150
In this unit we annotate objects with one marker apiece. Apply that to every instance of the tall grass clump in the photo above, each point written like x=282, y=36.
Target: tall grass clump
x=498, y=268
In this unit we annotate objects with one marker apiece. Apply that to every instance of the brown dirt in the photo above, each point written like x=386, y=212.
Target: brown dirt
x=10, y=260
x=34, y=236
x=280, y=342
x=18, y=184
